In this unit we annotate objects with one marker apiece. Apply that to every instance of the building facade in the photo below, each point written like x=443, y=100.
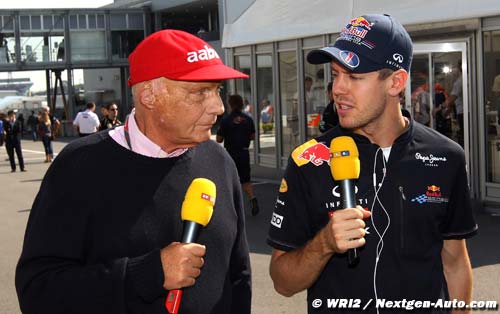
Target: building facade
x=269, y=40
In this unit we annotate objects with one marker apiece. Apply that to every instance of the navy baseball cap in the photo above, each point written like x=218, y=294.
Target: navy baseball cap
x=369, y=43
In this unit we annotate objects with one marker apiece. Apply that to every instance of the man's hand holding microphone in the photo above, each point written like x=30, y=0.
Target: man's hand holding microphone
x=182, y=261
x=346, y=229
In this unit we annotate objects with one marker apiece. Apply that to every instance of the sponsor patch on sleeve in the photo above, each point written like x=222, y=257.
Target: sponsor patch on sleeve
x=277, y=220
x=311, y=151
x=283, y=186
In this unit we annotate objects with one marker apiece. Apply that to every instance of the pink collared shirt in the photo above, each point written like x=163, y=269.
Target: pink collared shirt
x=139, y=142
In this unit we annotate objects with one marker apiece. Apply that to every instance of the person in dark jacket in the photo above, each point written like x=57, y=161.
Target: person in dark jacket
x=330, y=117
x=110, y=120
x=237, y=130
x=12, y=129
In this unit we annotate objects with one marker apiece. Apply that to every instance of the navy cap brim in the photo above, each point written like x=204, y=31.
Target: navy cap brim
x=348, y=59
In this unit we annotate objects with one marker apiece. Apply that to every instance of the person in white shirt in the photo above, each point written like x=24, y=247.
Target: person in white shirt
x=87, y=122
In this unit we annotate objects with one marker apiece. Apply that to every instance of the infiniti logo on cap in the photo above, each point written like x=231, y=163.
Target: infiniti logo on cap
x=397, y=57
x=349, y=58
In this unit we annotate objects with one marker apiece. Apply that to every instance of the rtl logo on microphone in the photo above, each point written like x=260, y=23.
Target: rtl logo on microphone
x=207, y=197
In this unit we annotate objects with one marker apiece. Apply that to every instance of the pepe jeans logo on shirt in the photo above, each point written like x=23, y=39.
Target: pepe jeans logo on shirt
x=430, y=160
x=203, y=54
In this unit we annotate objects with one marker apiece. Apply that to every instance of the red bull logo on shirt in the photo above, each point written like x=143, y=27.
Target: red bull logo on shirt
x=432, y=195
x=434, y=191
x=312, y=151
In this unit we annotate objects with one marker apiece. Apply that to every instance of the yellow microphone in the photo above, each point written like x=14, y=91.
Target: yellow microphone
x=196, y=212
x=197, y=208
x=345, y=168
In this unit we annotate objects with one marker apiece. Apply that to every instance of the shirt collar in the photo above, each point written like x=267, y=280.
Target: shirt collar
x=141, y=144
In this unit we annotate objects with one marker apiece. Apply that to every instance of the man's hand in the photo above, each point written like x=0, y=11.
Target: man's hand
x=182, y=263
x=346, y=229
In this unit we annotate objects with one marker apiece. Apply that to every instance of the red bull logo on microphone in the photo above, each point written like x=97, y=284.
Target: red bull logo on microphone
x=312, y=151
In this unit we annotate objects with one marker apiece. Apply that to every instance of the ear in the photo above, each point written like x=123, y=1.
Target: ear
x=397, y=82
x=147, y=96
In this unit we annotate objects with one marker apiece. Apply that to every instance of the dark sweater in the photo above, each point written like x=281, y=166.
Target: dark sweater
x=95, y=248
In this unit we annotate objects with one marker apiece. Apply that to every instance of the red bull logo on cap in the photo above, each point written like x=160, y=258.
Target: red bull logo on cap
x=361, y=22
x=358, y=27
x=312, y=151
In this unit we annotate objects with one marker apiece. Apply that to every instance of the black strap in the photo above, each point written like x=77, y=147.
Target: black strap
x=127, y=135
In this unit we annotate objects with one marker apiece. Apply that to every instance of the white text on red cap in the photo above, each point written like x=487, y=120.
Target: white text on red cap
x=203, y=54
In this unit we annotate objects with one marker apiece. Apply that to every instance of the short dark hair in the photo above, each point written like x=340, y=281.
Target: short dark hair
x=236, y=102
x=10, y=112
x=107, y=106
x=90, y=105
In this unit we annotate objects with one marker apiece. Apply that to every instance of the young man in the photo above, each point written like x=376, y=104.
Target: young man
x=12, y=129
x=110, y=120
x=88, y=251
x=236, y=131
x=414, y=208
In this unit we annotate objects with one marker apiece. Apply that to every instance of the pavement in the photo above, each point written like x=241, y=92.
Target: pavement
x=19, y=189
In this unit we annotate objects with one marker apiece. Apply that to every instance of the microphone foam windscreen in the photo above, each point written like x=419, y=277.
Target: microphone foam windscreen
x=344, y=158
x=199, y=201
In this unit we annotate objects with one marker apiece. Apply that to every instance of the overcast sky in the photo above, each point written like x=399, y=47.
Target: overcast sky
x=48, y=4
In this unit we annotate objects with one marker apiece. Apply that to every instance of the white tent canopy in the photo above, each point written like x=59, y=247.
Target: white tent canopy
x=276, y=20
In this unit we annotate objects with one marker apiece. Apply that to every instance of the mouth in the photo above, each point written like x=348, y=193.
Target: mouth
x=343, y=107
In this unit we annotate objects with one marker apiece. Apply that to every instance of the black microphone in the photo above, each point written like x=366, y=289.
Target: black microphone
x=345, y=167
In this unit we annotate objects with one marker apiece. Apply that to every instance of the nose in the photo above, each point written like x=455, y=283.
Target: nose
x=340, y=84
x=215, y=105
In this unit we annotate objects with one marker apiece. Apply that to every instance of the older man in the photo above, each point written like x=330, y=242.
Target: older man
x=115, y=250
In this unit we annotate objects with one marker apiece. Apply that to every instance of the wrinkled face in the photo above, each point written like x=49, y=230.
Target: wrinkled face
x=186, y=111
x=359, y=97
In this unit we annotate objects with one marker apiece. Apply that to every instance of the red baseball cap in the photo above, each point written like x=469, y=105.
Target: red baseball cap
x=177, y=55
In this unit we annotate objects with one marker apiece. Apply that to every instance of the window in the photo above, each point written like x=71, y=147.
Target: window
x=491, y=40
x=288, y=102
x=265, y=108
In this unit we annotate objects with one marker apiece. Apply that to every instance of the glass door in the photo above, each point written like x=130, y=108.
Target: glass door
x=436, y=93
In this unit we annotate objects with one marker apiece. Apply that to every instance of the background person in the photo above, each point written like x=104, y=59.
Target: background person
x=236, y=130
x=88, y=251
x=46, y=134
x=455, y=101
x=412, y=216
x=266, y=116
x=33, y=125
x=87, y=122
x=12, y=129
x=104, y=115
x=330, y=117
x=111, y=119
x=2, y=132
